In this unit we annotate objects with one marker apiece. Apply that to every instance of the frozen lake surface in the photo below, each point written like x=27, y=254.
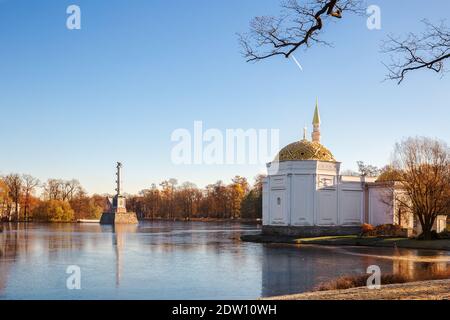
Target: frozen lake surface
x=180, y=260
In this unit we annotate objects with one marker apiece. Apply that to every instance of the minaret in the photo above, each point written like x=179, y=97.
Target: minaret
x=316, y=124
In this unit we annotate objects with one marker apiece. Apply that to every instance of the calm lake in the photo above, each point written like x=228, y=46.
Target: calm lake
x=179, y=260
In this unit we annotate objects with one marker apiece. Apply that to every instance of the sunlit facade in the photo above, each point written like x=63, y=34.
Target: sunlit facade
x=305, y=194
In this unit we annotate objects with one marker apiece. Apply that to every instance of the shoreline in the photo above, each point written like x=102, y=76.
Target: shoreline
x=418, y=290
x=405, y=243
x=252, y=221
x=248, y=221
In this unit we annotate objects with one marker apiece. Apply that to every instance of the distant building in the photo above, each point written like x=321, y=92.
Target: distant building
x=305, y=194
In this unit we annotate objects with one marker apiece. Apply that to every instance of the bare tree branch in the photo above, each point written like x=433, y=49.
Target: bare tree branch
x=429, y=51
x=298, y=25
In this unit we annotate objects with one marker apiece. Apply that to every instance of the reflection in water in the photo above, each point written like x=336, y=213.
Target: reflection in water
x=285, y=270
x=118, y=243
x=118, y=239
x=180, y=260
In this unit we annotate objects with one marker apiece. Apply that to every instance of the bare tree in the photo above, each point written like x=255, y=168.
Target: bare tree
x=14, y=183
x=422, y=167
x=429, y=50
x=58, y=189
x=367, y=170
x=4, y=198
x=29, y=185
x=298, y=25
x=188, y=194
x=53, y=189
x=69, y=189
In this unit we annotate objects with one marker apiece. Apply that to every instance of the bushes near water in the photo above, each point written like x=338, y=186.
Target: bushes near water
x=354, y=281
x=384, y=230
x=392, y=230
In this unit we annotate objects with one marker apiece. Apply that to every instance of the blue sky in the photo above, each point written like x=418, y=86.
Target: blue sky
x=75, y=101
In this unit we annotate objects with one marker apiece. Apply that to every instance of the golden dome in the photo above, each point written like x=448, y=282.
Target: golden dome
x=305, y=150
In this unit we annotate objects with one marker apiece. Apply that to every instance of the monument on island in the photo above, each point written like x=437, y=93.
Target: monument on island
x=117, y=212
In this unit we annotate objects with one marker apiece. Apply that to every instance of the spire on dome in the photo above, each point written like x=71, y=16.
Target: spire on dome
x=316, y=119
x=316, y=124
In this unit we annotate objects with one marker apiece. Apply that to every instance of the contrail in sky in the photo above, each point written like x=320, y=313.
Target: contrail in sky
x=295, y=60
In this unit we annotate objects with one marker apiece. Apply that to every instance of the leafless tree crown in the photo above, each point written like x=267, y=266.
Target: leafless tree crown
x=298, y=25
x=429, y=50
x=423, y=167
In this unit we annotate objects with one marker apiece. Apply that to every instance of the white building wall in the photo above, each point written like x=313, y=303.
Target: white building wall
x=351, y=207
x=440, y=224
x=327, y=213
x=265, y=201
x=302, y=197
x=351, y=201
x=308, y=193
x=312, y=193
x=278, y=200
x=380, y=212
x=326, y=200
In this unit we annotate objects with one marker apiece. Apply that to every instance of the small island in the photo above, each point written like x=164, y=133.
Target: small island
x=117, y=214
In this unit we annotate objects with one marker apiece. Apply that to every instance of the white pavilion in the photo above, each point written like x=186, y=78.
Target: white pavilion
x=304, y=194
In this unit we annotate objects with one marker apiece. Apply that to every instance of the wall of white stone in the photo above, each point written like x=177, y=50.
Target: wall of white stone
x=380, y=211
x=309, y=193
x=302, y=200
x=327, y=213
x=351, y=207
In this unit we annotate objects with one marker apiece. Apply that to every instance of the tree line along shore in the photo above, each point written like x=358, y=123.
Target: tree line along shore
x=25, y=198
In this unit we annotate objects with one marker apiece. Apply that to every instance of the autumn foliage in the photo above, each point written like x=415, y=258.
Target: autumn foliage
x=60, y=200
x=186, y=201
x=53, y=211
x=366, y=228
x=66, y=200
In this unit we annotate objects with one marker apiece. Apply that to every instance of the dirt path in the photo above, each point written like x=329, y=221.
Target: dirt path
x=422, y=290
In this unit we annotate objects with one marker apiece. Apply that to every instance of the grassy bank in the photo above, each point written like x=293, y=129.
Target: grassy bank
x=420, y=290
x=353, y=240
x=355, y=281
